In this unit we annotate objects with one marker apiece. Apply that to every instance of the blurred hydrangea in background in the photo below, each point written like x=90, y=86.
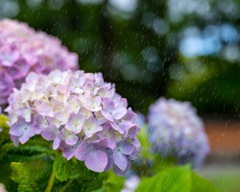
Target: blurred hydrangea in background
x=81, y=114
x=176, y=130
x=131, y=184
x=2, y=188
x=141, y=119
x=23, y=50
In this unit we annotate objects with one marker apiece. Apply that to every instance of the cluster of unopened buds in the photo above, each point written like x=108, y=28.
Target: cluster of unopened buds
x=81, y=114
x=23, y=50
x=176, y=130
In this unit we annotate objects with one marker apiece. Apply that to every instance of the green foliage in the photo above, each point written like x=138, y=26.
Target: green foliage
x=145, y=144
x=200, y=184
x=222, y=91
x=4, y=136
x=149, y=163
x=72, y=169
x=111, y=183
x=179, y=179
x=74, y=175
x=23, y=177
x=35, y=148
x=36, y=154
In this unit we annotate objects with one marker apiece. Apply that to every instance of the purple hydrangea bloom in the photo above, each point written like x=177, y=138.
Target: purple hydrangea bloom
x=141, y=120
x=176, y=130
x=23, y=50
x=81, y=114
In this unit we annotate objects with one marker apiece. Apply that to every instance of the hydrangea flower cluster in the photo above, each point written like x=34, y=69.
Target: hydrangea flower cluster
x=141, y=120
x=176, y=130
x=23, y=50
x=81, y=114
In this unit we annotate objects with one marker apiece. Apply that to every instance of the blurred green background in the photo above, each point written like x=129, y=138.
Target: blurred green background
x=187, y=49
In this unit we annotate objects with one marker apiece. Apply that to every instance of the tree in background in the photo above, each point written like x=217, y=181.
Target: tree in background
x=186, y=49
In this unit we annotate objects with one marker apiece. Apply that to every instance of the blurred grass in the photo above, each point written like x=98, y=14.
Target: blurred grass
x=226, y=179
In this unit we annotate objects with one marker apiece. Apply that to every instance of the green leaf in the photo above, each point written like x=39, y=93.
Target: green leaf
x=178, y=179
x=171, y=180
x=4, y=136
x=37, y=155
x=145, y=144
x=22, y=176
x=73, y=175
x=114, y=182
x=34, y=149
x=111, y=183
x=200, y=184
x=72, y=169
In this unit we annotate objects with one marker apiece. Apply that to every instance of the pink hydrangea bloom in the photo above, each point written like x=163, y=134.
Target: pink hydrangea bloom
x=2, y=188
x=175, y=129
x=81, y=114
x=23, y=50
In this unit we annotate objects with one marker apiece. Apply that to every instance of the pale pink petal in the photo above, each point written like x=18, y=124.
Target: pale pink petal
x=56, y=143
x=39, y=123
x=44, y=108
x=75, y=123
x=119, y=112
x=91, y=127
x=107, y=115
x=71, y=139
x=50, y=133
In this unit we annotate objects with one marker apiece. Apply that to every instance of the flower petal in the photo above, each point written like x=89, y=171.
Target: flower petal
x=50, y=133
x=126, y=148
x=120, y=160
x=96, y=161
x=75, y=123
x=119, y=112
x=91, y=127
x=71, y=139
x=82, y=151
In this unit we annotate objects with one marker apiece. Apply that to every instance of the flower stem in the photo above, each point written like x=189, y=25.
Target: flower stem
x=50, y=183
x=65, y=186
